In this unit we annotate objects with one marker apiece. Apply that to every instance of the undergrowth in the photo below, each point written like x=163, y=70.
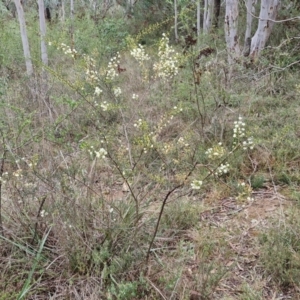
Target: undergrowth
x=142, y=172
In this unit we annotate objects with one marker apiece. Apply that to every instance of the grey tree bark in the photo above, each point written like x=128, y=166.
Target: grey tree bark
x=42, y=21
x=44, y=86
x=175, y=20
x=247, y=42
x=208, y=15
x=26, y=50
x=217, y=9
x=268, y=13
x=198, y=17
x=231, y=26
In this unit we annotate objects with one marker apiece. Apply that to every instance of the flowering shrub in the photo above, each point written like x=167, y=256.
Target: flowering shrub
x=222, y=169
x=149, y=137
x=98, y=91
x=92, y=76
x=219, y=155
x=216, y=152
x=167, y=66
x=101, y=153
x=244, y=191
x=66, y=49
x=117, y=91
x=240, y=136
x=139, y=54
x=112, y=73
x=196, y=184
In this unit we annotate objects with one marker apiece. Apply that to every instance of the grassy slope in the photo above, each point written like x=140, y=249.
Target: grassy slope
x=212, y=243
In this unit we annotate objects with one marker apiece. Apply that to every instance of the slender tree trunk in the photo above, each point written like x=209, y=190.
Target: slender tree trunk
x=249, y=5
x=247, y=43
x=231, y=25
x=217, y=8
x=176, y=20
x=204, y=14
x=208, y=14
x=26, y=50
x=72, y=23
x=130, y=7
x=44, y=85
x=43, y=32
x=72, y=9
x=268, y=13
x=198, y=16
x=63, y=14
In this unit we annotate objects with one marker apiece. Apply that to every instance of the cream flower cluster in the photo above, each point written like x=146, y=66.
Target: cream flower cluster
x=104, y=105
x=92, y=76
x=240, y=137
x=216, y=152
x=167, y=66
x=166, y=120
x=138, y=124
x=239, y=128
x=98, y=91
x=117, y=91
x=4, y=177
x=112, y=67
x=101, y=153
x=43, y=213
x=182, y=143
x=139, y=54
x=196, y=184
x=222, y=169
x=244, y=192
x=66, y=49
x=248, y=144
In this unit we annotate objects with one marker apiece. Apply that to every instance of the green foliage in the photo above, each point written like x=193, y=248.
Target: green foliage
x=11, y=51
x=280, y=254
x=181, y=215
x=27, y=285
x=257, y=181
x=8, y=296
x=112, y=35
x=137, y=160
x=249, y=294
x=124, y=290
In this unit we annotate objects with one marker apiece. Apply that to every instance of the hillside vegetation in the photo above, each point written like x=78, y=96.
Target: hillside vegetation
x=137, y=167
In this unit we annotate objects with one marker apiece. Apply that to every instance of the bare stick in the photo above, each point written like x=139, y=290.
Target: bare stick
x=162, y=210
x=37, y=218
x=1, y=173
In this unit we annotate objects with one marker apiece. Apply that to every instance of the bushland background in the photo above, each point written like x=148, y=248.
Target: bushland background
x=149, y=150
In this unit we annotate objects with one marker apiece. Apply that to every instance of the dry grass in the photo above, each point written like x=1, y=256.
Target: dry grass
x=102, y=214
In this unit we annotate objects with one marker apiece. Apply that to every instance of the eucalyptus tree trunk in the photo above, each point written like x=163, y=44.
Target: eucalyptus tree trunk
x=44, y=86
x=62, y=11
x=198, y=16
x=268, y=13
x=205, y=6
x=26, y=50
x=175, y=20
x=72, y=23
x=231, y=26
x=208, y=15
x=247, y=42
x=129, y=7
x=72, y=9
x=43, y=32
x=217, y=8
